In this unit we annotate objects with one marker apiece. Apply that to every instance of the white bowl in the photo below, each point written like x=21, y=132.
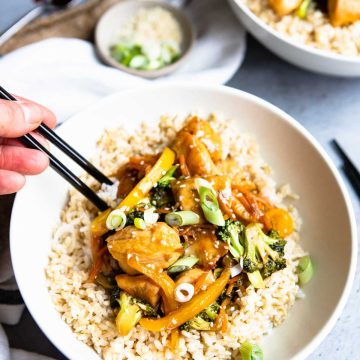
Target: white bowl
x=329, y=231
x=306, y=57
x=110, y=23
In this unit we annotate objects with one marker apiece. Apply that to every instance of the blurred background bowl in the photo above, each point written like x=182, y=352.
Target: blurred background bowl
x=118, y=15
x=306, y=57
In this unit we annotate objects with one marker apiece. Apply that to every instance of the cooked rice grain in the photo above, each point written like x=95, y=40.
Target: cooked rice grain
x=85, y=307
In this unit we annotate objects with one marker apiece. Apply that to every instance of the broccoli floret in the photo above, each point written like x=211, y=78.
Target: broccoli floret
x=272, y=266
x=146, y=309
x=211, y=311
x=203, y=320
x=161, y=197
x=263, y=254
x=198, y=323
x=128, y=315
x=277, y=243
x=233, y=234
x=133, y=215
x=168, y=177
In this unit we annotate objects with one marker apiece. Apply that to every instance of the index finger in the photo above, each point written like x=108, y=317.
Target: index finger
x=20, y=117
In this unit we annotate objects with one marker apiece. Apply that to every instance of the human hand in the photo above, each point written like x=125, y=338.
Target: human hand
x=16, y=119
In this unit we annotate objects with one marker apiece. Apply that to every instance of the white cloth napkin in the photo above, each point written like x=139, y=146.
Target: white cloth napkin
x=66, y=76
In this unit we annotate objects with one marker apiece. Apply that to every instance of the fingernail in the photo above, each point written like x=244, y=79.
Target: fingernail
x=28, y=111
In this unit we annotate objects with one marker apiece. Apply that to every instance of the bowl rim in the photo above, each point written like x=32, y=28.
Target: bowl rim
x=325, y=55
x=64, y=347
x=150, y=74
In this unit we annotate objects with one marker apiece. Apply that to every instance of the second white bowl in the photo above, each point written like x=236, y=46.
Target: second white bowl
x=306, y=57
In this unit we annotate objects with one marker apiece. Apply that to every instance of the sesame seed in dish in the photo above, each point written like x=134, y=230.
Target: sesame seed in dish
x=243, y=308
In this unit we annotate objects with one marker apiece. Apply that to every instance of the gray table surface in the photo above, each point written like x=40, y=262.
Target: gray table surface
x=327, y=107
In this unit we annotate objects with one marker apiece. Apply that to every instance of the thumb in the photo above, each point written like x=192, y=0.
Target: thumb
x=20, y=117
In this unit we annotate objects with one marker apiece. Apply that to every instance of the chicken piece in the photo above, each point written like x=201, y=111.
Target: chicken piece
x=196, y=156
x=284, y=7
x=140, y=287
x=186, y=194
x=203, y=131
x=193, y=275
x=342, y=12
x=204, y=244
x=158, y=245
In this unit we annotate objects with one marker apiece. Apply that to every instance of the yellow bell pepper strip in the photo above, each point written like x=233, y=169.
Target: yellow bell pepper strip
x=160, y=278
x=141, y=189
x=173, y=341
x=279, y=220
x=190, y=309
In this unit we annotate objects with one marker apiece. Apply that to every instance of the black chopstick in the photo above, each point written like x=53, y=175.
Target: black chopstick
x=57, y=165
x=350, y=169
x=55, y=139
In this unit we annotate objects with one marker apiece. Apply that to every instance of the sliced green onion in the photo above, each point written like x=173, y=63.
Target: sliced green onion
x=209, y=203
x=210, y=206
x=168, y=177
x=208, y=198
x=305, y=270
x=184, y=263
x=251, y=351
x=204, y=183
x=140, y=223
x=303, y=9
x=151, y=217
x=214, y=217
x=181, y=218
x=116, y=220
x=138, y=62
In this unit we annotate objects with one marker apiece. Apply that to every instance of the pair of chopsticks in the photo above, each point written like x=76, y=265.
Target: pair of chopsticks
x=58, y=166
x=350, y=170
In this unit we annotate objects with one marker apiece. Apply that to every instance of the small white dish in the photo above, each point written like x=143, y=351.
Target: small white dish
x=114, y=18
x=329, y=227
x=306, y=57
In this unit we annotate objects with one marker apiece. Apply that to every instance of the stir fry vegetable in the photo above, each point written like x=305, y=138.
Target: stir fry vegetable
x=305, y=270
x=233, y=234
x=167, y=158
x=185, y=263
x=340, y=12
x=181, y=218
x=190, y=309
x=187, y=239
x=128, y=316
x=262, y=253
x=250, y=351
x=209, y=203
